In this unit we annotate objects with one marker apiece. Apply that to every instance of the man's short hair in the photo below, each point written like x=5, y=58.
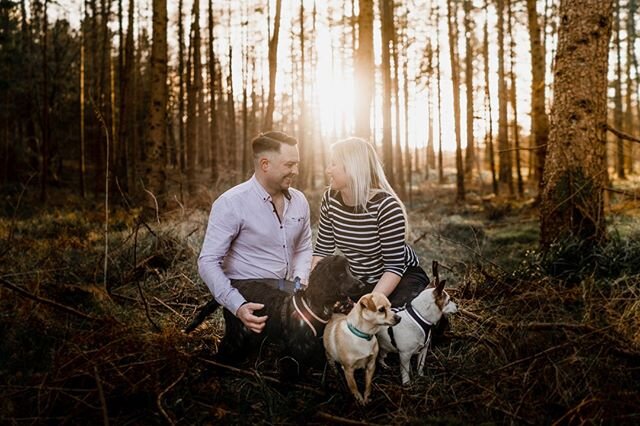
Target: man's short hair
x=270, y=142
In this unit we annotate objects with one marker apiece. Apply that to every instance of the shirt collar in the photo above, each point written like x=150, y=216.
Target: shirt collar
x=262, y=193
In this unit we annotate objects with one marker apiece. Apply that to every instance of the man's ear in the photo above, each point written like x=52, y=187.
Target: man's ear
x=264, y=163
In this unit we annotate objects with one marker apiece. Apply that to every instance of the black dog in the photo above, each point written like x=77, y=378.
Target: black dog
x=297, y=321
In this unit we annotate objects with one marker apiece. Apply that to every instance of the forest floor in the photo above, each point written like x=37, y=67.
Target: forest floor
x=539, y=339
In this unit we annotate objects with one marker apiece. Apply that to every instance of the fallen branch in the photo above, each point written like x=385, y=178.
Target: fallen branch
x=341, y=420
x=622, y=135
x=533, y=148
x=253, y=373
x=146, y=306
x=159, y=399
x=623, y=192
x=103, y=401
x=47, y=301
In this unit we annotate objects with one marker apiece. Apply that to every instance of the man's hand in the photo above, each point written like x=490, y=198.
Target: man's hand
x=252, y=322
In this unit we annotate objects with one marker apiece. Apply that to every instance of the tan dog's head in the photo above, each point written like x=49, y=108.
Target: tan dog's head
x=375, y=309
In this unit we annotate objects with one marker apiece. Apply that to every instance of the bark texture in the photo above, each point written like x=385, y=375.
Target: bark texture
x=575, y=171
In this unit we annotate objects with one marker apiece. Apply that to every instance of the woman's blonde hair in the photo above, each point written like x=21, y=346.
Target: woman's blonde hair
x=365, y=172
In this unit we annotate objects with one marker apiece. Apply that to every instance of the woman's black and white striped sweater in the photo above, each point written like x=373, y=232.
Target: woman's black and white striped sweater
x=373, y=241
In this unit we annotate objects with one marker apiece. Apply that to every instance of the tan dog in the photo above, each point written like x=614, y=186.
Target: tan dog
x=350, y=339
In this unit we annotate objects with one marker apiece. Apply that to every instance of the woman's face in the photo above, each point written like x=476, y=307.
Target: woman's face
x=338, y=178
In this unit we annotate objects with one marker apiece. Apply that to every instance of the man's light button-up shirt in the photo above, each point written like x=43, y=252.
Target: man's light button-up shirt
x=243, y=239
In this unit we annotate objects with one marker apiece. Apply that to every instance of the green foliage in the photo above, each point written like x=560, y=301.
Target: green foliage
x=574, y=260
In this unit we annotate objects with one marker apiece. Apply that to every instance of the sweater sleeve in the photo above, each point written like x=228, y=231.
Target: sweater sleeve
x=325, y=243
x=391, y=228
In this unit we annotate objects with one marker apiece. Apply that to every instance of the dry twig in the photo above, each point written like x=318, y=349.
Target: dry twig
x=48, y=302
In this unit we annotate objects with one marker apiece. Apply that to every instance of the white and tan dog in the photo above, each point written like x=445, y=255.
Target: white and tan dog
x=351, y=339
x=412, y=335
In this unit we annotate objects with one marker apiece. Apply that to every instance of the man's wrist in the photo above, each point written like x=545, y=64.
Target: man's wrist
x=241, y=305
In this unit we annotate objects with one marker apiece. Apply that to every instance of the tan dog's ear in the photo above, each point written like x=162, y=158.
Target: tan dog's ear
x=366, y=302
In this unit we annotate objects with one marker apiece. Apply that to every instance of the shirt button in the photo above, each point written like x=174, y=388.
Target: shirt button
x=283, y=246
x=280, y=226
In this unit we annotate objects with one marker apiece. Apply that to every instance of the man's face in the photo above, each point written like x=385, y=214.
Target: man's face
x=283, y=166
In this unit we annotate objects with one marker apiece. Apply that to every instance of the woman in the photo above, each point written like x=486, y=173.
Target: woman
x=362, y=216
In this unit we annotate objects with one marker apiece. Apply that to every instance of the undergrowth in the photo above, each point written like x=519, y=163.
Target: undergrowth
x=555, y=339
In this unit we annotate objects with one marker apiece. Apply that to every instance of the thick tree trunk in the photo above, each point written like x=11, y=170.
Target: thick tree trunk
x=455, y=80
x=364, y=70
x=156, y=144
x=575, y=170
x=273, y=69
x=539, y=119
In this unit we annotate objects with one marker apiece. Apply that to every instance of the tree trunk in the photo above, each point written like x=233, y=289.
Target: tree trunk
x=631, y=37
x=455, y=80
x=201, y=152
x=192, y=132
x=44, y=165
x=438, y=79
x=364, y=70
x=470, y=154
x=181, y=83
x=127, y=110
x=617, y=112
x=386, y=15
x=399, y=168
x=405, y=86
x=231, y=116
x=513, y=96
x=504, y=174
x=539, y=119
x=156, y=144
x=487, y=91
x=304, y=145
x=575, y=171
x=273, y=69
x=82, y=101
x=213, y=124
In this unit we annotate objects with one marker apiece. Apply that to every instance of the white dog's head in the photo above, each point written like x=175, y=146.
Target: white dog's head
x=434, y=302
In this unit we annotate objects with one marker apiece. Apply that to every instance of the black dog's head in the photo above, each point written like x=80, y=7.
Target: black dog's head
x=332, y=277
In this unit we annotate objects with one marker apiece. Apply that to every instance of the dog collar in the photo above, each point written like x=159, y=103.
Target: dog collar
x=314, y=322
x=359, y=333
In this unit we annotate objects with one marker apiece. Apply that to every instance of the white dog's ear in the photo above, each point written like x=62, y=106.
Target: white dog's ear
x=440, y=286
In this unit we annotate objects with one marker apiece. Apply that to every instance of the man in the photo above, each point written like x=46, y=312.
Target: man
x=258, y=229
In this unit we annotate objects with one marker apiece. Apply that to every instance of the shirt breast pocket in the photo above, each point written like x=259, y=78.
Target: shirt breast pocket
x=294, y=225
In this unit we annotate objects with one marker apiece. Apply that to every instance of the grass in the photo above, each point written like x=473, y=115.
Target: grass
x=540, y=338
